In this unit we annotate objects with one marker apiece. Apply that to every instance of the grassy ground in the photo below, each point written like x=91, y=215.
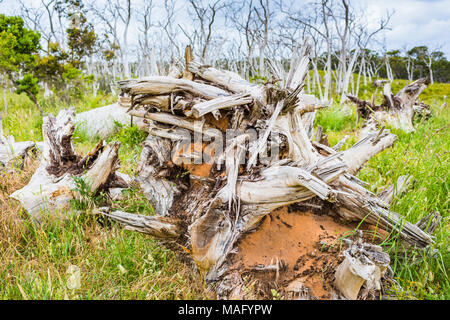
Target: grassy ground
x=119, y=264
x=425, y=155
x=113, y=263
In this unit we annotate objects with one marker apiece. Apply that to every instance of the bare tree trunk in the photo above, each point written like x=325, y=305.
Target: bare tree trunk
x=388, y=69
x=410, y=69
x=52, y=185
x=265, y=20
x=430, y=69
x=317, y=77
x=348, y=73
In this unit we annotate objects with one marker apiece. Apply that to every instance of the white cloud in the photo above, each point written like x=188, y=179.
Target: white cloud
x=415, y=22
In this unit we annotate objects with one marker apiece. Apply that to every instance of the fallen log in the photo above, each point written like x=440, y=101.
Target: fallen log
x=101, y=122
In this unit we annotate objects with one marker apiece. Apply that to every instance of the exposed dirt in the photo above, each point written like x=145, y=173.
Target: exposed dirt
x=307, y=246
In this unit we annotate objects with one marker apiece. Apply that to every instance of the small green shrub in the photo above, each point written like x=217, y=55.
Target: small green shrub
x=87, y=198
x=129, y=136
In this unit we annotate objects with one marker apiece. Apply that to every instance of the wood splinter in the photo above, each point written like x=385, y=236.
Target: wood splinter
x=363, y=264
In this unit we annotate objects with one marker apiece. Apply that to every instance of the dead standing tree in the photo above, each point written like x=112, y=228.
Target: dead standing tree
x=208, y=208
x=205, y=14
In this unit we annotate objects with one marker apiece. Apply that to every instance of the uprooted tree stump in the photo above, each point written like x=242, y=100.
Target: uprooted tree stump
x=395, y=110
x=53, y=185
x=213, y=201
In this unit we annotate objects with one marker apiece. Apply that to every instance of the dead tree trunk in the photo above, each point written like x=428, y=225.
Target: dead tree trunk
x=52, y=187
x=397, y=111
x=209, y=207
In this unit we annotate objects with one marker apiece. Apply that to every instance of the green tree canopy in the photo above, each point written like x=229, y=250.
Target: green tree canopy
x=18, y=52
x=21, y=44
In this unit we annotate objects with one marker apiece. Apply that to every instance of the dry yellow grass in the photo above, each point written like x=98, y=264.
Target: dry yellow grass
x=12, y=227
x=113, y=263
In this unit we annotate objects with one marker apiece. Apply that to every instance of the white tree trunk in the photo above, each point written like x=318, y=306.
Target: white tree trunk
x=52, y=187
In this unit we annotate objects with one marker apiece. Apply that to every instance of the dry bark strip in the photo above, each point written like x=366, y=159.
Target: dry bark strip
x=207, y=208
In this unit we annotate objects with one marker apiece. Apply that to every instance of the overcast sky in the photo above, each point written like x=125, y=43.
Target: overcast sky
x=415, y=22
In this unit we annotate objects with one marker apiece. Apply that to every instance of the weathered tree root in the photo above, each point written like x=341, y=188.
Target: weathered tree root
x=208, y=208
x=397, y=111
x=52, y=187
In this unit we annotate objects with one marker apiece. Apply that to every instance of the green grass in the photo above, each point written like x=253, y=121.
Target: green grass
x=119, y=264
x=114, y=263
x=24, y=122
x=131, y=139
x=423, y=154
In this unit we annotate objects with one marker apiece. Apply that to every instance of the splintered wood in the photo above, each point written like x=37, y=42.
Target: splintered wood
x=397, y=111
x=53, y=186
x=222, y=156
x=261, y=158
